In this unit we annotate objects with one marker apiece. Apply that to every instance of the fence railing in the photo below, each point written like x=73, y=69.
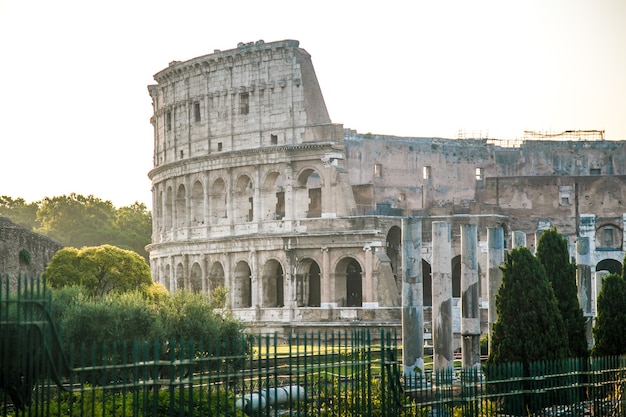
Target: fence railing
x=316, y=374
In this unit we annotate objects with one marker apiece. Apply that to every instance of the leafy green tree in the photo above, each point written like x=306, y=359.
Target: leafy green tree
x=76, y=220
x=134, y=226
x=529, y=325
x=21, y=213
x=100, y=269
x=553, y=254
x=609, y=330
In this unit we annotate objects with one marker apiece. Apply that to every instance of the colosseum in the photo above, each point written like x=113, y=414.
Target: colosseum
x=256, y=189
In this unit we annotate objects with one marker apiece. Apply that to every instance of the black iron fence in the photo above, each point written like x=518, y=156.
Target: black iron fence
x=316, y=374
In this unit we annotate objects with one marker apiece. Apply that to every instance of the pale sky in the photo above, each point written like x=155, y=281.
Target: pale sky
x=75, y=109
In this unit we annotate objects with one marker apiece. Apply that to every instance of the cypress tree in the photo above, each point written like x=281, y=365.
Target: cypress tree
x=609, y=331
x=553, y=254
x=529, y=326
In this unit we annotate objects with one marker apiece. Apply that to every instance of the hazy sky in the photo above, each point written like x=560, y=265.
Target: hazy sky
x=75, y=110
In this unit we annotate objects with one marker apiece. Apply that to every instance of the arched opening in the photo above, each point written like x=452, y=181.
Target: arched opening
x=167, y=279
x=195, y=278
x=394, y=252
x=169, y=208
x=197, y=204
x=180, y=277
x=244, y=196
x=242, y=286
x=216, y=276
x=427, y=284
x=314, y=299
x=180, y=207
x=456, y=276
x=273, y=284
x=308, y=198
x=218, y=202
x=350, y=289
x=611, y=265
x=274, y=197
x=609, y=237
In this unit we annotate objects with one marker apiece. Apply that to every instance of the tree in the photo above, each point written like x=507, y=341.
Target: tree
x=21, y=213
x=609, y=331
x=100, y=269
x=529, y=325
x=76, y=220
x=553, y=254
x=134, y=226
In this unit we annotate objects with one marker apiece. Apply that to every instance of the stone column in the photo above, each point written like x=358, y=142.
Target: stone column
x=470, y=308
x=443, y=355
x=412, y=298
x=327, y=288
x=369, y=286
x=583, y=275
x=495, y=256
x=256, y=286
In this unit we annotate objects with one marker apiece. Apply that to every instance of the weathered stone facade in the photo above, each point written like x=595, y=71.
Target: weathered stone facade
x=22, y=252
x=254, y=188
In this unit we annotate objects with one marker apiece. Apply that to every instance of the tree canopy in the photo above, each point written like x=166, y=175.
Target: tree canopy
x=553, y=254
x=609, y=331
x=77, y=221
x=100, y=269
x=529, y=326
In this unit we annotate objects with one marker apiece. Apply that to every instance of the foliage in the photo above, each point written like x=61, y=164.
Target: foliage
x=529, y=325
x=610, y=329
x=100, y=269
x=553, y=254
x=21, y=213
x=25, y=257
x=77, y=221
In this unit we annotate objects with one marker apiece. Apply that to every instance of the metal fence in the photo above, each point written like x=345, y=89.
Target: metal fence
x=320, y=374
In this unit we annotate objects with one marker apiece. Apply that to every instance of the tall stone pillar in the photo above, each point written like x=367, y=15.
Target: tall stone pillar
x=495, y=256
x=583, y=275
x=369, y=298
x=327, y=288
x=257, y=287
x=470, y=308
x=412, y=298
x=443, y=354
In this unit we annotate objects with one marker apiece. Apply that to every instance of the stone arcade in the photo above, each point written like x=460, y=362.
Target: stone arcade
x=255, y=189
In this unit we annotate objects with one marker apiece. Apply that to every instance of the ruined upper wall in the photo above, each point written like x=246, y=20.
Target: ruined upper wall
x=415, y=173
x=257, y=95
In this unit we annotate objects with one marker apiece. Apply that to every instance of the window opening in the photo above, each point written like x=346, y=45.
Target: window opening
x=378, y=170
x=244, y=103
x=274, y=139
x=594, y=171
x=196, y=111
x=219, y=146
x=426, y=173
x=168, y=118
x=480, y=174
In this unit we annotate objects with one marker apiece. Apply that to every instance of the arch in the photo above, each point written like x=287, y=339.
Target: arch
x=167, y=279
x=308, y=284
x=456, y=276
x=273, y=196
x=427, y=281
x=197, y=203
x=195, y=278
x=218, y=201
x=308, y=194
x=611, y=265
x=242, y=285
x=394, y=252
x=349, y=282
x=181, y=200
x=169, y=208
x=244, y=199
x=216, y=276
x=180, y=276
x=273, y=284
